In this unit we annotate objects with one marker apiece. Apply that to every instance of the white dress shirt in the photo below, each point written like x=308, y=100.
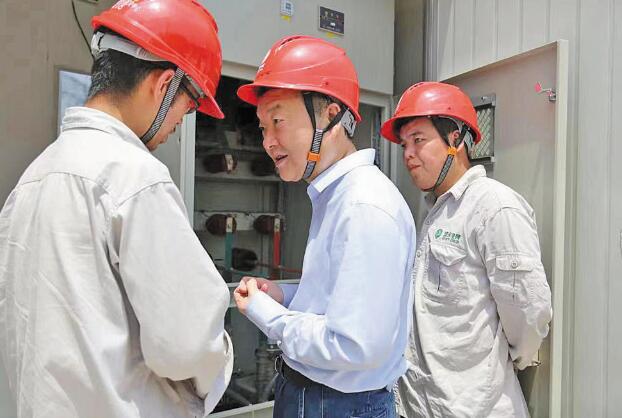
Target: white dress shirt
x=346, y=324
x=482, y=303
x=108, y=302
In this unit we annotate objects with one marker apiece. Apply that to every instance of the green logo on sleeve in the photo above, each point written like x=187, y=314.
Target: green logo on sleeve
x=438, y=234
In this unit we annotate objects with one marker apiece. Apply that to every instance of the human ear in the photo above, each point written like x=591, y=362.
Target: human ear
x=163, y=80
x=332, y=110
x=453, y=137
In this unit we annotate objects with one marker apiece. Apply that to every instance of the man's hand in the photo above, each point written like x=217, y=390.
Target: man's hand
x=268, y=286
x=243, y=293
x=250, y=285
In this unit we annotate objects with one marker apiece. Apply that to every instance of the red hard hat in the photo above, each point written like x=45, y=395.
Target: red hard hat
x=182, y=32
x=305, y=63
x=433, y=99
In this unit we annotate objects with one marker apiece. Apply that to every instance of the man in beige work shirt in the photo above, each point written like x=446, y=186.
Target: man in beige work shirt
x=482, y=302
x=109, y=305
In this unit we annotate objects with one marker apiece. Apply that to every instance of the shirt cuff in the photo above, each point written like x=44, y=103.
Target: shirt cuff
x=262, y=311
x=289, y=290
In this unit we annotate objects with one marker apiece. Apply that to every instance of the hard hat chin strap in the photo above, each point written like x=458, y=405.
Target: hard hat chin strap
x=345, y=117
x=165, y=106
x=452, y=150
x=104, y=41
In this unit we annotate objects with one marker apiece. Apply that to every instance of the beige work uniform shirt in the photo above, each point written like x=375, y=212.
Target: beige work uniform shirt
x=482, y=303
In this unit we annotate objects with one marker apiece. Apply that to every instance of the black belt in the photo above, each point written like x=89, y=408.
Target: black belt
x=292, y=375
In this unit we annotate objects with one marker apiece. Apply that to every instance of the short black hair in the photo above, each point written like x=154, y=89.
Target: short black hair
x=118, y=74
x=444, y=126
x=400, y=123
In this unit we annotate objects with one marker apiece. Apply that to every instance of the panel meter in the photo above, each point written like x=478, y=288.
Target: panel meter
x=332, y=20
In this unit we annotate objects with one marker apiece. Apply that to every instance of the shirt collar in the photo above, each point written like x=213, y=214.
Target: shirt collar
x=458, y=189
x=89, y=118
x=340, y=169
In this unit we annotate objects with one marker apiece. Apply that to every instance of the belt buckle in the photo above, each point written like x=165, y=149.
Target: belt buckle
x=278, y=365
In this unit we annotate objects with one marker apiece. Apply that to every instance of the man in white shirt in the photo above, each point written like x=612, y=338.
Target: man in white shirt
x=482, y=302
x=109, y=305
x=343, y=329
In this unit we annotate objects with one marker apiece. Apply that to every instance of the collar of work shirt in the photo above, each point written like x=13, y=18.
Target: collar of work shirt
x=457, y=190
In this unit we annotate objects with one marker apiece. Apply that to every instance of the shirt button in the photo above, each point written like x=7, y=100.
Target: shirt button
x=428, y=222
x=418, y=253
x=514, y=264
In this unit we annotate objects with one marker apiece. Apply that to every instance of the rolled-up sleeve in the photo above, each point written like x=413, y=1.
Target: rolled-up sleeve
x=509, y=244
x=367, y=258
x=174, y=289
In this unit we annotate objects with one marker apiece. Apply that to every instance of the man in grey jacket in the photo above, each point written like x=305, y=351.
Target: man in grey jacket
x=482, y=302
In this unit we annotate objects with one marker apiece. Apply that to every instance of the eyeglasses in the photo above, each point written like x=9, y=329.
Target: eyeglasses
x=195, y=97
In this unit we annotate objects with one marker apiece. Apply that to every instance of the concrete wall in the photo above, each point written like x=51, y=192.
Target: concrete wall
x=464, y=34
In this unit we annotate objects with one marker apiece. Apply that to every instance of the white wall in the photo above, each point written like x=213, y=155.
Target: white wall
x=464, y=34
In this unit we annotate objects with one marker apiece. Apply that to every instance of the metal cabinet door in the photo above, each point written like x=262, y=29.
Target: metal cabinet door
x=530, y=157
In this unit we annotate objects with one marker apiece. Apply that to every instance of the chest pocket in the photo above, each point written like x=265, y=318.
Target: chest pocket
x=445, y=276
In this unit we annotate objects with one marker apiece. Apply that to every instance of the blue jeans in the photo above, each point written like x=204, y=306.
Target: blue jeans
x=319, y=401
